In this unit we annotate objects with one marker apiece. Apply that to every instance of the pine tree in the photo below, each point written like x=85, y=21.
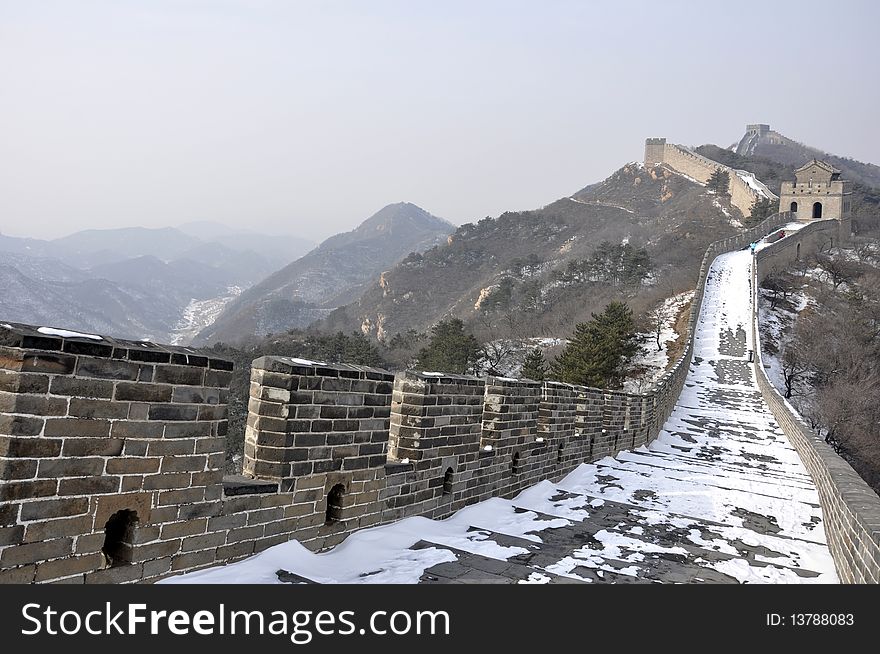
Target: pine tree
x=450, y=349
x=600, y=350
x=534, y=367
x=719, y=182
x=760, y=209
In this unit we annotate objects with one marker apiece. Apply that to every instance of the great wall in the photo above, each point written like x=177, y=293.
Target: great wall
x=744, y=189
x=112, y=452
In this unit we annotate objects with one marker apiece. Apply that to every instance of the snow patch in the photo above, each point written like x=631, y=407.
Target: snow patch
x=753, y=183
x=535, y=578
x=65, y=333
x=304, y=362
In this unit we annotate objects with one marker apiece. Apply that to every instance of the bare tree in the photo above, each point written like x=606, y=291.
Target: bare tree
x=801, y=267
x=501, y=340
x=838, y=269
x=778, y=287
x=866, y=251
x=656, y=320
x=831, y=362
x=795, y=367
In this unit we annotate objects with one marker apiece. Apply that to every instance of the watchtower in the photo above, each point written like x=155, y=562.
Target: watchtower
x=757, y=129
x=655, y=151
x=818, y=193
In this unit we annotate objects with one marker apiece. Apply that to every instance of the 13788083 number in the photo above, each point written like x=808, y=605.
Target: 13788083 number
x=821, y=619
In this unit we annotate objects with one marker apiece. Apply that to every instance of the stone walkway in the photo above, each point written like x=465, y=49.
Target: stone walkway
x=719, y=496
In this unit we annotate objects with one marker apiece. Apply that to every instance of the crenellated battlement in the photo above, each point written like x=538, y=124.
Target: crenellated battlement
x=100, y=434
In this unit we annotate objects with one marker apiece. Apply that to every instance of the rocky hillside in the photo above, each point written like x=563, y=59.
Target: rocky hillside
x=529, y=273
x=335, y=273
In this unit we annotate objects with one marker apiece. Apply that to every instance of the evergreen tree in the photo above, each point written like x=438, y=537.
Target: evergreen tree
x=534, y=367
x=620, y=264
x=531, y=296
x=761, y=208
x=719, y=182
x=450, y=349
x=600, y=350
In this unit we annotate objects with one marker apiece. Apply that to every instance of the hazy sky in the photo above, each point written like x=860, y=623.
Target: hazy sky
x=307, y=117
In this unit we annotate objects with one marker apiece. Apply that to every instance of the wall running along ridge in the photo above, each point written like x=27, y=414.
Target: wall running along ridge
x=91, y=429
x=851, y=509
x=685, y=161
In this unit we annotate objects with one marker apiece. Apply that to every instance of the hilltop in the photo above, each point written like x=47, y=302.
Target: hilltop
x=333, y=274
x=521, y=267
x=767, y=144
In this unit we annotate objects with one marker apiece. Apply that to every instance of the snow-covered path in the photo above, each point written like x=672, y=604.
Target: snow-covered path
x=719, y=496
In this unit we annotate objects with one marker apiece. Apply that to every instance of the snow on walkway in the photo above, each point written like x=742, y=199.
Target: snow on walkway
x=719, y=496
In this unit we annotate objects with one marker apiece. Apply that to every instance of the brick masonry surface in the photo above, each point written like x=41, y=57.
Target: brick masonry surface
x=111, y=452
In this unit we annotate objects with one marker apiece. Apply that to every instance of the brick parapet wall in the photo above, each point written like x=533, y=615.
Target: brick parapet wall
x=558, y=425
x=850, y=508
x=691, y=164
x=435, y=430
x=91, y=426
x=517, y=458
x=307, y=418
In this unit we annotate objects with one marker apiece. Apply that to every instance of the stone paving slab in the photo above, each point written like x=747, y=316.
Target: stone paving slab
x=668, y=552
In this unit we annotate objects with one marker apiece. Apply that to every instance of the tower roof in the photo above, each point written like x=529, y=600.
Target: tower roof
x=821, y=164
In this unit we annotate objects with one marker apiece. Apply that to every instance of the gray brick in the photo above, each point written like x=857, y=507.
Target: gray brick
x=83, y=388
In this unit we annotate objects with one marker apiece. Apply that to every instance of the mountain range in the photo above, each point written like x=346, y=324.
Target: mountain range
x=770, y=145
x=203, y=281
x=335, y=273
x=507, y=276
x=135, y=282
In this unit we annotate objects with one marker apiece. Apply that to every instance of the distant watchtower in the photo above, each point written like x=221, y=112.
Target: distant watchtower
x=655, y=151
x=758, y=129
x=818, y=193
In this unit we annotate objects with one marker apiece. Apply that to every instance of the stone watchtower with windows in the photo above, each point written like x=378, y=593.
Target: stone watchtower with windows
x=818, y=193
